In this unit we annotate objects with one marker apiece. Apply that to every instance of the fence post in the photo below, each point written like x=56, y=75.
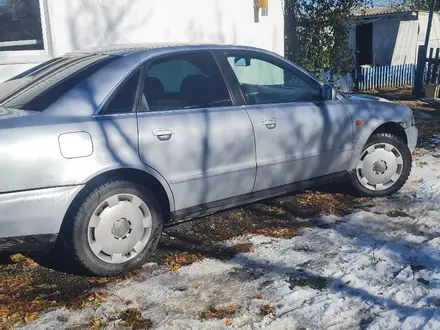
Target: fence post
x=434, y=73
x=430, y=62
x=420, y=69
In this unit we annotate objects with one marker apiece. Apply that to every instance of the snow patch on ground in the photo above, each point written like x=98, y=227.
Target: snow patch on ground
x=377, y=268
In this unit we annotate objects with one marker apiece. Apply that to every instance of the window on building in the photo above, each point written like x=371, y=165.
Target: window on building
x=22, y=26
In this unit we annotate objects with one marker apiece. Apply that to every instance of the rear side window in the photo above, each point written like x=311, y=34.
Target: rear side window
x=45, y=85
x=185, y=81
x=122, y=101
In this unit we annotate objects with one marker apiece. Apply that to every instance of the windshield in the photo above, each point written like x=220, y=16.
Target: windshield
x=41, y=86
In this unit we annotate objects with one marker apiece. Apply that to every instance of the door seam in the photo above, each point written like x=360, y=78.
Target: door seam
x=255, y=148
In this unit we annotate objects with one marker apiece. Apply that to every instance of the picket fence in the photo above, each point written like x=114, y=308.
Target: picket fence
x=387, y=76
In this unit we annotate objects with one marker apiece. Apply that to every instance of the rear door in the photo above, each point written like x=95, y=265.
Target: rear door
x=191, y=131
x=299, y=136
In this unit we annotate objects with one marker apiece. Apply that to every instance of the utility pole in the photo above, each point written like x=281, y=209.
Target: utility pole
x=422, y=54
x=428, y=29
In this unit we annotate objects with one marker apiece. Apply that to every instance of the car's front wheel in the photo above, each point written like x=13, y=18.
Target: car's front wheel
x=383, y=167
x=113, y=228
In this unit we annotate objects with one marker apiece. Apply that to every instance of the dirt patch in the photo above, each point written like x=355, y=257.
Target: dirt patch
x=315, y=282
x=399, y=213
x=395, y=94
x=431, y=108
x=428, y=128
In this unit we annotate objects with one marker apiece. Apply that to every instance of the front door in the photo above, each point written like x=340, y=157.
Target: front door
x=298, y=135
x=191, y=132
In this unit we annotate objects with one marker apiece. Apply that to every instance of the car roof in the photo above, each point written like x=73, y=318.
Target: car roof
x=151, y=48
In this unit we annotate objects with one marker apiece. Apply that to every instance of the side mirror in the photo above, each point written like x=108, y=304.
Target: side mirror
x=328, y=93
x=242, y=61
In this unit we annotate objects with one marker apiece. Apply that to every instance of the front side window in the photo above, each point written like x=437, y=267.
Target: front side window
x=21, y=25
x=263, y=81
x=185, y=81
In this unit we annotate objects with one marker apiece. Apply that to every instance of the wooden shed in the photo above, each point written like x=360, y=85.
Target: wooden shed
x=387, y=36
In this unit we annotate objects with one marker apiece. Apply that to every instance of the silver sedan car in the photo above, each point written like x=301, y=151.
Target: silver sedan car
x=101, y=148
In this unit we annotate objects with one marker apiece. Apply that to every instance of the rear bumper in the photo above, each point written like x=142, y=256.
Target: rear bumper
x=31, y=220
x=412, y=134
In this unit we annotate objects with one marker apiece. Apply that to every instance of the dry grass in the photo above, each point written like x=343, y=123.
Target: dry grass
x=268, y=310
x=213, y=313
x=27, y=289
x=132, y=318
x=277, y=232
x=175, y=261
x=326, y=203
x=228, y=322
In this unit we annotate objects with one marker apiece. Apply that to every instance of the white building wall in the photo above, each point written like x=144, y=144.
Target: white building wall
x=76, y=24
x=385, y=34
x=10, y=70
x=405, y=49
x=434, y=40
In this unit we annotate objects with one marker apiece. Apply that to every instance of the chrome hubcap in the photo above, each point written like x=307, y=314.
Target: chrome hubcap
x=379, y=167
x=120, y=228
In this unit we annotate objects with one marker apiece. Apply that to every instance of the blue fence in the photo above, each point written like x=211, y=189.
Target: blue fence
x=387, y=76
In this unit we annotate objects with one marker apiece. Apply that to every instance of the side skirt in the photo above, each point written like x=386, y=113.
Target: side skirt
x=228, y=203
x=43, y=242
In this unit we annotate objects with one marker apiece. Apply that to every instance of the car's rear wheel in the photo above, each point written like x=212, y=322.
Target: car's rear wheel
x=383, y=167
x=110, y=230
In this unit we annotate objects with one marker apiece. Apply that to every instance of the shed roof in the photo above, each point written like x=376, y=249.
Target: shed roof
x=376, y=11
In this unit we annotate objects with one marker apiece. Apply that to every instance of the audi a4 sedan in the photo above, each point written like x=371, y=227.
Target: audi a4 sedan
x=101, y=148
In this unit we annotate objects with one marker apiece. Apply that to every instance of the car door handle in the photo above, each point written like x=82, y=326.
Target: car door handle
x=270, y=123
x=163, y=134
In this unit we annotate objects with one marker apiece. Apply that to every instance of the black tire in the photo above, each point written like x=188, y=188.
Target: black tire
x=5, y=258
x=407, y=163
x=72, y=252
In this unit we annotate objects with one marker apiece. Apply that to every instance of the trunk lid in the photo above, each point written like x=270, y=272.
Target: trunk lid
x=7, y=113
